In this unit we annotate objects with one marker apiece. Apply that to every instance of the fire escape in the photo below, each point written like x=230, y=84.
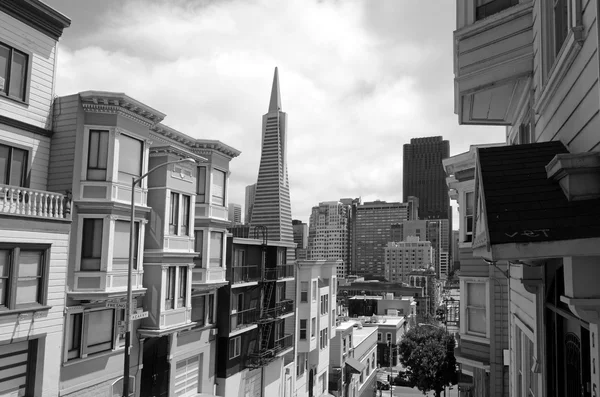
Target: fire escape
x=265, y=351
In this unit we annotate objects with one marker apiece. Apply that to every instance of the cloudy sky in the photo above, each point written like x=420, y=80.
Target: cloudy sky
x=358, y=80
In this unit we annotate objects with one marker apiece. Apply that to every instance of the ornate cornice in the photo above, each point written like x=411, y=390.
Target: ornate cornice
x=198, y=146
x=119, y=103
x=37, y=15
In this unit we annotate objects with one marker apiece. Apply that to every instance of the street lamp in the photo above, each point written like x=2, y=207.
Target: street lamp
x=129, y=303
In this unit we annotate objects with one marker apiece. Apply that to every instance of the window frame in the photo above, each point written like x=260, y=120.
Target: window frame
x=464, y=327
x=313, y=327
x=84, y=241
x=222, y=201
x=182, y=281
x=304, y=291
x=129, y=175
x=237, y=347
x=199, y=246
x=10, y=305
x=89, y=151
x=169, y=298
x=212, y=260
x=174, y=213
x=25, y=174
x=305, y=329
x=201, y=188
x=525, y=343
x=468, y=235
x=27, y=75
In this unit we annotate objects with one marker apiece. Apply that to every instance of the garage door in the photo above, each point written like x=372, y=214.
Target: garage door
x=13, y=369
x=186, y=377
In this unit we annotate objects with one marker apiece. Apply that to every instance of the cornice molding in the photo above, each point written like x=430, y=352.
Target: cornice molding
x=119, y=103
x=199, y=146
x=38, y=15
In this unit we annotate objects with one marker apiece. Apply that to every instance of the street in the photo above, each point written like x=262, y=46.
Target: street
x=400, y=391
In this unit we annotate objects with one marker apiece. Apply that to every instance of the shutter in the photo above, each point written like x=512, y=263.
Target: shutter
x=186, y=377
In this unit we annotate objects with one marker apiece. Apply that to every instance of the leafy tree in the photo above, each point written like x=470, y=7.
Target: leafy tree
x=427, y=352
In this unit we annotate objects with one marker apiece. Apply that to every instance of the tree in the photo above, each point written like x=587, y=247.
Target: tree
x=428, y=354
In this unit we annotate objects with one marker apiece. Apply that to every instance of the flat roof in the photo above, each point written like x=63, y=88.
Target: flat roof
x=360, y=334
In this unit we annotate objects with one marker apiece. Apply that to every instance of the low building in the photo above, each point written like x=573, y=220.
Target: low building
x=390, y=331
x=387, y=304
x=403, y=256
x=425, y=278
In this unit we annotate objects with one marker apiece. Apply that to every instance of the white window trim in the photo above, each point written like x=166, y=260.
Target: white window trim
x=463, y=309
x=225, y=188
x=191, y=213
x=237, y=347
x=519, y=325
x=188, y=296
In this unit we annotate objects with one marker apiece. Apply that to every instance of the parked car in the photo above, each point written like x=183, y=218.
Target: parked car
x=383, y=385
x=403, y=380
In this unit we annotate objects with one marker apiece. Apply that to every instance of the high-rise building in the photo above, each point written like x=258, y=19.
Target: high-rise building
x=424, y=177
x=250, y=193
x=402, y=257
x=234, y=213
x=353, y=203
x=372, y=232
x=272, y=208
x=300, y=238
x=328, y=233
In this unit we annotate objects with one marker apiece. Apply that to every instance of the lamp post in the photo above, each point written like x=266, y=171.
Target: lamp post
x=129, y=304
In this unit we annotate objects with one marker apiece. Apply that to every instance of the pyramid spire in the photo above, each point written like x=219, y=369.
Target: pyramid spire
x=275, y=102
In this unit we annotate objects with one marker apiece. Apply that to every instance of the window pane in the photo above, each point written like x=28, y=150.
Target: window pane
x=100, y=330
x=18, y=75
x=18, y=166
x=182, y=286
x=97, y=155
x=476, y=294
x=211, y=308
x=4, y=266
x=476, y=320
x=201, y=197
x=174, y=214
x=170, y=289
x=198, y=309
x=4, y=155
x=130, y=158
x=74, y=336
x=199, y=243
x=29, y=277
x=218, y=188
x=121, y=241
x=185, y=216
x=91, y=245
x=4, y=55
x=216, y=248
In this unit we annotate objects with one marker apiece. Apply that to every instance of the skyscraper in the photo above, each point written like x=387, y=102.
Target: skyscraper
x=300, y=238
x=234, y=213
x=250, y=192
x=372, y=232
x=424, y=177
x=328, y=234
x=272, y=206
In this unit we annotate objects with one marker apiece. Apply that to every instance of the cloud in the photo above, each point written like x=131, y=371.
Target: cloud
x=358, y=80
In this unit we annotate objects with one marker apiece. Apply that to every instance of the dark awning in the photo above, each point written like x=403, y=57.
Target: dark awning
x=354, y=365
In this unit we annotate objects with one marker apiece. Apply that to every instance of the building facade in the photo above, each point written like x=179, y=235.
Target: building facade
x=300, y=238
x=543, y=86
x=235, y=213
x=257, y=320
x=249, y=202
x=328, y=234
x=316, y=285
x=35, y=214
x=372, y=232
x=402, y=257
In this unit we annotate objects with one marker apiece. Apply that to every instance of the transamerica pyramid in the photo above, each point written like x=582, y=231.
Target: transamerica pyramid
x=272, y=206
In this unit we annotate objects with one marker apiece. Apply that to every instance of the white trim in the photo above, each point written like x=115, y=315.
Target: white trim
x=110, y=159
x=463, y=307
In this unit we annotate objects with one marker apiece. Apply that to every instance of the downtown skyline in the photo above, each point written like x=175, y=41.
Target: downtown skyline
x=349, y=72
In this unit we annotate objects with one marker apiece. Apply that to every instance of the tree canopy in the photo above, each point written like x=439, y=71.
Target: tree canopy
x=428, y=354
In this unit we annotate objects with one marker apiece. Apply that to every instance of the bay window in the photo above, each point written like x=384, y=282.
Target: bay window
x=13, y=72
x=121, y=243
x=179, y=214
x=97, y=161
x=130, y=158
x=216, y=249
x=23, y=276
x=91, y=244
x=201, y=185
x=218, y=188
x=303, y=330
x=13, y=166
x=469, y=212
x=199, y=309
x=92, y=331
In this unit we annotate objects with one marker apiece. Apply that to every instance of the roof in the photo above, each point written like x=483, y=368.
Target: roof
x=359, y=335
x=38, y=15
x=523, y=205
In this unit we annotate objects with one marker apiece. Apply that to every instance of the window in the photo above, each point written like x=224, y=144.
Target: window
x=525, y=133
x=218, y=188
x=333, y=318
x=314, y=291
x=323, y=338
x=469, y=212
x=91, y=332
x=475, y=308
x=388, y=337
x=211, y=309
x=379, y=337
x=170, y=288
x=303, y=329
x=324, y=304
x=235, y=347
x=130, y=158
x=304, y=291
x=301, y=364
x=182, y=293
x=13, y=165
x=199, y=309
x=313, y=327
x=23, y=276
x=323, y=382
x=97, y=155
x=343, y=345
x=526, y=378
x=121, y=243
x=560, y=25
x=216, y=249
x=91, y=244
x=185, y=215
x=201, y=185
x=485, y=8
x=174, y=214
x=13, y=72
x=199, y=244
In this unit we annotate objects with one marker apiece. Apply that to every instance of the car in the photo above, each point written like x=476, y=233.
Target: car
x=403, y=380
x=383, y=385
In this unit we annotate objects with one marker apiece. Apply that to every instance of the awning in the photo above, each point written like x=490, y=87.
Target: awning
x=354, y=365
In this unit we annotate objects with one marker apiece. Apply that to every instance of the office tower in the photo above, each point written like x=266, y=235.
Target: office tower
x=403, y=257
x=372, y=232
x=300, y=238
x=272, y=207
x=413, y=207
x=424, y=177
x=328, y=233
x=455, y=257
x=353, y=203
x=249, y=202
x=234, y=213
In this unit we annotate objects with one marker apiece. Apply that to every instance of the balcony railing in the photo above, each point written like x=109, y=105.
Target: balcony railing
x=30, y=202
x=283, y=343
x=244, y=274
x=243, y=318
x=285, y=306
x=284, y=271
x=493, y=7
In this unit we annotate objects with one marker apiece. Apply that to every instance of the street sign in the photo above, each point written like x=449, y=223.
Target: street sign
x=138, y=316
x=116, y=305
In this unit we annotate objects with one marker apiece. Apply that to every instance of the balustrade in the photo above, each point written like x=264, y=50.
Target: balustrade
x=16, y=200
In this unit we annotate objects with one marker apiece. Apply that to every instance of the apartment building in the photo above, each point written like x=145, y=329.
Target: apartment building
x=533, y=66
x=249, y=202
x=386, y=304
x=316, y=285
x=328, y=234
x=483, y=330
x=35, y=214
x=425, y=278
x=352, y=360
x=390, y=331
x=402, y=257
x=235, y=213
x=256, y=320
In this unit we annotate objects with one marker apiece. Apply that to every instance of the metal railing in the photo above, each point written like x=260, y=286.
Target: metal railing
x=243, y=274
x=283, y=343
x=284, y=307
x=243, y=318
x=284, y=271
x=30, y=202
